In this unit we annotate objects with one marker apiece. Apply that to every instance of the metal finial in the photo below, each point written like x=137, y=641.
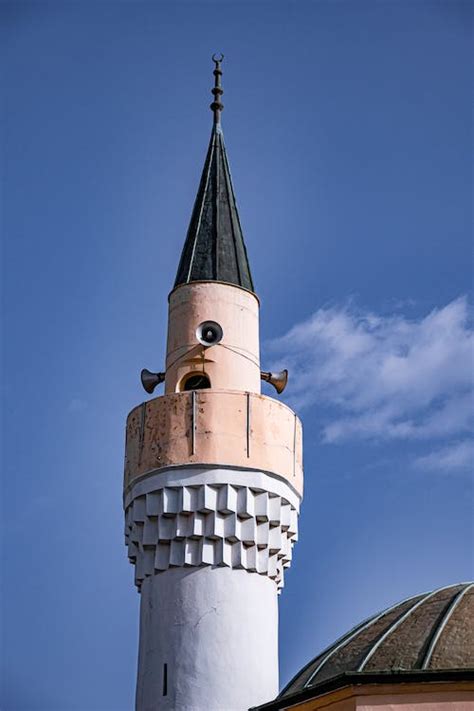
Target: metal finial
x=217, y=106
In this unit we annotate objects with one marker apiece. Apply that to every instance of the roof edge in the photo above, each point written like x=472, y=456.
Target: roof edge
x=213, y=281
x=347, y=679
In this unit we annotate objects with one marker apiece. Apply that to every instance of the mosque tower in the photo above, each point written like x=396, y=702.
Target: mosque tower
x=213, y=477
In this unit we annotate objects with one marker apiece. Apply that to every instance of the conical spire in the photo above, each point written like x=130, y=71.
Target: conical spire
x=214, y=249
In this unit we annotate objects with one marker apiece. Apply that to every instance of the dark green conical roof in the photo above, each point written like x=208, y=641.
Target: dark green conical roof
x=214, y=249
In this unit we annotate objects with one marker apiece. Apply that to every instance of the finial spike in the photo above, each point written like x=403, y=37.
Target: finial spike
x=217, y=106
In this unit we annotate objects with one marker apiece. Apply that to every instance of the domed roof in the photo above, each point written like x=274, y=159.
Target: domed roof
x=432, y=632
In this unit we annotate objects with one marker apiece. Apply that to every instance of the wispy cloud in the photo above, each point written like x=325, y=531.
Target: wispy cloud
x=383, y=377
x=455, y=457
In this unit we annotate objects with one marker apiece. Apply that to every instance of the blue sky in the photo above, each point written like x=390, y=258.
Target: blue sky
x=348, y=130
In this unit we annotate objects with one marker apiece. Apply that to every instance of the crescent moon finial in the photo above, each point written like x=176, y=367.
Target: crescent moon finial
x=217, y=105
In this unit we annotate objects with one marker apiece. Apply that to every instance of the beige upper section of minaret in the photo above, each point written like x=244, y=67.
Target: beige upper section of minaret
x=230, y=424
x=218, y=428
x=233, y=364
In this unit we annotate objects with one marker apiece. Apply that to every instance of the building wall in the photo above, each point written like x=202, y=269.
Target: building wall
x=420, y=701
x=433, y=696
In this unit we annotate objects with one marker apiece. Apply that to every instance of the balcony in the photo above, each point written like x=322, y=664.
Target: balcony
x=218, y=428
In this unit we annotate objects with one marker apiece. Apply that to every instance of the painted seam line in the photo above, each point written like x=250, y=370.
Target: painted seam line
x=398, y=622
x=443, y=624
x=346, y=640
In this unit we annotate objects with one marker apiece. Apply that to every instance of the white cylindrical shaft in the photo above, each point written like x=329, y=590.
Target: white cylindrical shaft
x=210, y=546
x=208, y=640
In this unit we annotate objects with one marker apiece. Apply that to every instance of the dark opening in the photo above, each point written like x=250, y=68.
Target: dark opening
x=197, y=382
x=165, y=680
x=209, y=334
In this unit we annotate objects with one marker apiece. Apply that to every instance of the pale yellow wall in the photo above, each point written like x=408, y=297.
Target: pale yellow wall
x=433, y=696
x=435, y=701
x=330, y=703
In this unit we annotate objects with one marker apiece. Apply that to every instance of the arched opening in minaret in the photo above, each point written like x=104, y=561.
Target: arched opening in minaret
x=196, y=381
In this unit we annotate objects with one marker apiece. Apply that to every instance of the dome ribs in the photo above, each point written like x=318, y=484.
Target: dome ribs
x=452, y=647
x=399, y=647
x=431, y=633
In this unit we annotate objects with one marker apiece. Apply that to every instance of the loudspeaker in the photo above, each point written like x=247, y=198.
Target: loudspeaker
x=151, y=380
x=278, y=380
x=209, y=333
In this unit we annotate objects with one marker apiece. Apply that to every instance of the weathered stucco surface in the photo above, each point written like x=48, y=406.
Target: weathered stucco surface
x=227, y=428
x=434, y=701
x=216, y=629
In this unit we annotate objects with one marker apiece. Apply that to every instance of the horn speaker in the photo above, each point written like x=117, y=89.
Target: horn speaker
x=151, y=380
x=278, y=380
x=209, y=333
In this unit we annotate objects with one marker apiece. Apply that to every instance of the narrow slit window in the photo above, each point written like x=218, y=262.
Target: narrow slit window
x=165, y=680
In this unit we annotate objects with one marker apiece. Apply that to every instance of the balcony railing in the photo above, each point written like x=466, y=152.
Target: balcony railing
x=214, y=427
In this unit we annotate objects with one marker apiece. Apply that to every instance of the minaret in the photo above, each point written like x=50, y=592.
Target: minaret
x=213, y=477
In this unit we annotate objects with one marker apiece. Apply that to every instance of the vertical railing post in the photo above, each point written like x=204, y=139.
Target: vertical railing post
x=193, y=422
x=248, y=424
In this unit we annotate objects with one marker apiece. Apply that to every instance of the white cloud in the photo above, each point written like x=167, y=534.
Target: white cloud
x=383, y=377
x=456, y=457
